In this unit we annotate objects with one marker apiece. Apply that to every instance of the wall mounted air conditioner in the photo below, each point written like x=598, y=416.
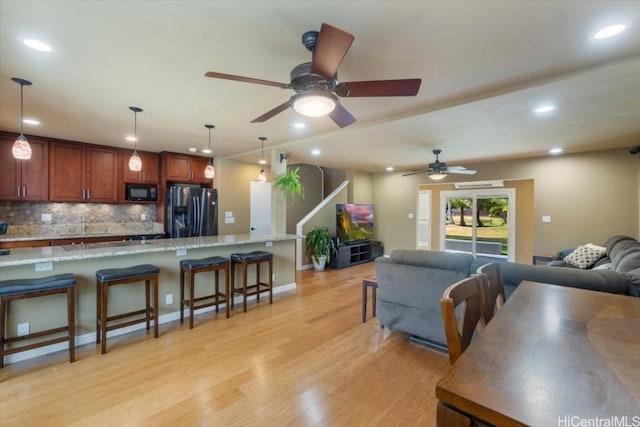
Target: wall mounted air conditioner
x=479, y=184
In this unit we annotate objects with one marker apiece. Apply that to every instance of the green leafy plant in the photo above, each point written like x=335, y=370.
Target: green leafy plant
x=318, y=242
x=289, y=184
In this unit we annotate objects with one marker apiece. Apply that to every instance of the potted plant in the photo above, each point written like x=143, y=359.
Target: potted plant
x=319, y=245
x=289, y=184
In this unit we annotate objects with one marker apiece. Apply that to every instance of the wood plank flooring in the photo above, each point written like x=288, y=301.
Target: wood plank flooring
x=306, y=360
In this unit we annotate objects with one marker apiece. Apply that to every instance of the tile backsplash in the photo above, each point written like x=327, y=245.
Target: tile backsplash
x=26, y=219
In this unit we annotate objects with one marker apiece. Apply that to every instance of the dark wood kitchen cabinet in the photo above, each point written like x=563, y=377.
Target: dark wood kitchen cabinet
x=184, y=168
x=150, y=173
x=26, y=180
x=83, y=173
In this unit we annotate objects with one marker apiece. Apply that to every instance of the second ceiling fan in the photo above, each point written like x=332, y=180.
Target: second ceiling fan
x=439, y=170
x=316, y=83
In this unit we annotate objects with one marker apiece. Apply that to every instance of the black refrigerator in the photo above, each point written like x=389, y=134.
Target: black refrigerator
x=191, y=211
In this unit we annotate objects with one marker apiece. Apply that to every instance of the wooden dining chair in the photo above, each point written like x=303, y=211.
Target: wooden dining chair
x=492, y=290
x=460, y=331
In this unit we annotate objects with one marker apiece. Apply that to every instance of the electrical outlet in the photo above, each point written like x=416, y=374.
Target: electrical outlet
x=44, y=266
x=23, y=329
x=46, y=217
x=169, y=299
x=181, y=252
x=143, y=217
x=269, y=244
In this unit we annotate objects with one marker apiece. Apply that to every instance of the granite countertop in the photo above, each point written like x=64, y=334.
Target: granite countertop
x=24, y=233
x=22, y=256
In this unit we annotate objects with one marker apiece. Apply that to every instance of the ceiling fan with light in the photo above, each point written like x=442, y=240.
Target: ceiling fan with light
x=316, y=83
x=439, y=170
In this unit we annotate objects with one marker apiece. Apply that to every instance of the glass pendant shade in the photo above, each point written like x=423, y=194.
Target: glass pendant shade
x=21, y=148
x=262, y=176
x=209, y=171
x=314, y=104
x=135, y=162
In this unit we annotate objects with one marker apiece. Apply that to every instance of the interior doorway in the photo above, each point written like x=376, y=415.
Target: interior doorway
x=260, y=208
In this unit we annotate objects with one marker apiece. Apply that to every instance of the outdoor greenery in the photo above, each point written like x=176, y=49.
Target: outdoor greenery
x=289, y=184
x=491, y=220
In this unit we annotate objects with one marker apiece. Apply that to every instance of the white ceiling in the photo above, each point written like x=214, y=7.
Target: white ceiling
x=484, y=66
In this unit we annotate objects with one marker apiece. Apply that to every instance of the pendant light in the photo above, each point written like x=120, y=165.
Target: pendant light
x=209, y=171
x=135, y=162
x=262, y=176
x=21, y=148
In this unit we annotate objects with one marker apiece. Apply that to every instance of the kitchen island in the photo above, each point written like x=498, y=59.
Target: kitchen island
x=84, y=260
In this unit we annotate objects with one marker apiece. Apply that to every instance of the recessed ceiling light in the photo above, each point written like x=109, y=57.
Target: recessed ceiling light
x=206, y=151
x=610, y=31
x=556, y=150
x=131, y=138
x=193, y=150
x=315, y=152
x=389, y=169
x=31, y=122
x=262, y=161
x=299, y=125
x=544, y=109
x=37, y=45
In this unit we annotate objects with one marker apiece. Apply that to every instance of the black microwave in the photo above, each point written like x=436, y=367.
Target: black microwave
x=141, y=192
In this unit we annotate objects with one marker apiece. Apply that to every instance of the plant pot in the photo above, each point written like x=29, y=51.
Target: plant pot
x=322, y=261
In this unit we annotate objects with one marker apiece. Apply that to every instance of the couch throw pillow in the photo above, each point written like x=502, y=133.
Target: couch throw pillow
x=585, y=256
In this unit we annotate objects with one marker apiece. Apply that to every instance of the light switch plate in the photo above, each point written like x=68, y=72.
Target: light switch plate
x=269, y=244
x=546, y=218
x=181, y=252
x=44, y=266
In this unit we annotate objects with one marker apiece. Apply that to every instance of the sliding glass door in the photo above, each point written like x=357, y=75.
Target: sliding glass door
x=481, y=222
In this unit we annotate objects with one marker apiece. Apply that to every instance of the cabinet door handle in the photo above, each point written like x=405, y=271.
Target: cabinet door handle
x=84, y=194
x=18, y=191
x=88, y=194
x=24, y=191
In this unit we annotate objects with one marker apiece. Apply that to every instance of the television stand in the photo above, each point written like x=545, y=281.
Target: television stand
x=355, y=253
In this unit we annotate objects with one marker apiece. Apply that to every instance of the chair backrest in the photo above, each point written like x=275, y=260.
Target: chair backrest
x=465, y=293
x=492, y=289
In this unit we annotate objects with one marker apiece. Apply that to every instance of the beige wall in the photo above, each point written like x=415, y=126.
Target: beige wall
x=589, y=197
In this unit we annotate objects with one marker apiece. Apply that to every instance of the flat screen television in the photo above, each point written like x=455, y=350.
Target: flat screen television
x=354, y=222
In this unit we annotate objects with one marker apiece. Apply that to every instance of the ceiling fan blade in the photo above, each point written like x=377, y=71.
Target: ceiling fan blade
x=406, y=87
x=331, y=47
x=415, y=173
x=266, y=116
x=245, y=79
x=341, y=116
x=460, y=170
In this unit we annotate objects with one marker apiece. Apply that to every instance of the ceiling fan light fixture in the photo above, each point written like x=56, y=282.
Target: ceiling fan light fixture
x=314, y=103
x=437, y=176
x=21, y=148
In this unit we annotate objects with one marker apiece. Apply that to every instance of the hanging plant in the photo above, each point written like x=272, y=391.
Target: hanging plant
x=289, y=184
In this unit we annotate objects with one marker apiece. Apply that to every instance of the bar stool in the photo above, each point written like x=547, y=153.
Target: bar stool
x=194, y=266
x=11, y=290
x=244, y=260
x=106, y=278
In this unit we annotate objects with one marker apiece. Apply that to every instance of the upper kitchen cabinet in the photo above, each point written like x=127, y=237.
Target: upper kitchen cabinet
x=150, y=173
x=184, y=168
x=83, y=173
x=24, y=179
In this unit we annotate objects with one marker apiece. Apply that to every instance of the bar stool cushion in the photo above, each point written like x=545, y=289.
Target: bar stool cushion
x=21, y=286
x=111, y=274
x=252, y=256
x=194, y=264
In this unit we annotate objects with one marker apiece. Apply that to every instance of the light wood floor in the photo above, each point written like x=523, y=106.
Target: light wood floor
x=306, y=360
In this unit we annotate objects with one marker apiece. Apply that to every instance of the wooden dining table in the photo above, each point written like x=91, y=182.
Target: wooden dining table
x=552, y=356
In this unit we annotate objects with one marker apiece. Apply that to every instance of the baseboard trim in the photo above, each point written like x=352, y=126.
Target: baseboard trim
x=91, y=336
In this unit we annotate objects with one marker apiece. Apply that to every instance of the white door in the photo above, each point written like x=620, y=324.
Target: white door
x=260, y=208
x=424, y=219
